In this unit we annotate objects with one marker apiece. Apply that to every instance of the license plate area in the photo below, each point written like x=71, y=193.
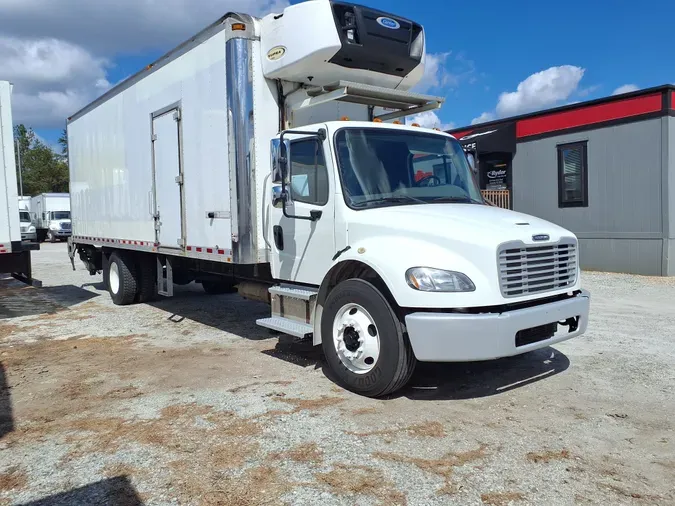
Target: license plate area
x=536, y=334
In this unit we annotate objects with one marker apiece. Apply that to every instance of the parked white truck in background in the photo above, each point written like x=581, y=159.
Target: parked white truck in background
x=15, y=242
x=229, y=162
x=52, y=216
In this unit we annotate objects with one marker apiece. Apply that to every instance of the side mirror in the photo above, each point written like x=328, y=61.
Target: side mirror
x=279, y=160
x=278, y=196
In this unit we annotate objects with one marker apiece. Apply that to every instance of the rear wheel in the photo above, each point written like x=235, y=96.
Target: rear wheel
x=363, y=340
x=122, y=279
x=147, y=279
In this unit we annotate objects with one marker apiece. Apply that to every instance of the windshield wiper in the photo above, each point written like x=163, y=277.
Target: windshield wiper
x=459, y=200
x=391, y=200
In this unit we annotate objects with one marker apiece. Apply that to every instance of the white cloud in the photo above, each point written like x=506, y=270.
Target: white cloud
x=483, y=118
x=429, y=119
x=58, y=56
x=541, y=90
x=436, y=74
x=626, y=88
x=52, y=79
x=111, y=26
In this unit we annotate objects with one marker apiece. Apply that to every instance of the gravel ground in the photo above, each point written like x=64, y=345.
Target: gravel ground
x=187, y=401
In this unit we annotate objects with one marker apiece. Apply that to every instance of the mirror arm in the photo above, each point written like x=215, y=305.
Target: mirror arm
x=283, y=162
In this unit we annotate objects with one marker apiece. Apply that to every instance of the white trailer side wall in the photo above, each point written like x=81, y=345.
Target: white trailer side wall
x=9, y=205
x=111, y=160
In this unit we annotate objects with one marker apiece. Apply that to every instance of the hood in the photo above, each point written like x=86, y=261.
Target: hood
x=468, y=223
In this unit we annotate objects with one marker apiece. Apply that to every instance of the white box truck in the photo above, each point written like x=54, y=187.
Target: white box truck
x=52, y=216
x=15, y=256
x=262, y=156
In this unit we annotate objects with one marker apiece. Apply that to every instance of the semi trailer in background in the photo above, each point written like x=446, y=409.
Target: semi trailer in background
x=16, y=241
x=268, y=157
x=52, y=216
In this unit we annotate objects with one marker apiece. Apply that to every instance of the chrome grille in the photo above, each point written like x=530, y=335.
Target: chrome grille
x=65, y=226
x=525, y=270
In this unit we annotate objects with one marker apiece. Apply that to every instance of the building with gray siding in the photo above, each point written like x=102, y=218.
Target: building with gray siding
x=604, y=169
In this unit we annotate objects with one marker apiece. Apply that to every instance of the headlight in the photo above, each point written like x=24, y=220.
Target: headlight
x=427, y=279
x=31, y=229
x=53, y=226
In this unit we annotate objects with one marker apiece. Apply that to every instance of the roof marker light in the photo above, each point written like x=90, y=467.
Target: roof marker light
x=239, y=26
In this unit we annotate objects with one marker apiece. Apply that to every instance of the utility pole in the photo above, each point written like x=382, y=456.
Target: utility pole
x=18, y=156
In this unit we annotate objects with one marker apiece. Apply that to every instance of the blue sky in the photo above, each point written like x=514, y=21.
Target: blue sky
x=488, y=59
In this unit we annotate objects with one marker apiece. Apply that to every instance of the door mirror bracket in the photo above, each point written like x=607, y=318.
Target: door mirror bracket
x=283, y=160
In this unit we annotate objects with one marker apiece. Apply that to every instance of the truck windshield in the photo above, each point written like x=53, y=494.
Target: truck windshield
x=381, y=167
x=24, y=216
x=61, y=215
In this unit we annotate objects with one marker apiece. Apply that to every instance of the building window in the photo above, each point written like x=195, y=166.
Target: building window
x=573, y=175
x=309, y=175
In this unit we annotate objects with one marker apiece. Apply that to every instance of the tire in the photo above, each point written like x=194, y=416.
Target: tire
x=395, y=362
x=50, y=237
x=217, y=287
x=147, y=279
x=122, y=279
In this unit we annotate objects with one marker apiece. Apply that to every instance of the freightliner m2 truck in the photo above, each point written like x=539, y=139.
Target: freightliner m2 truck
x=15, y=232
x=270, y=157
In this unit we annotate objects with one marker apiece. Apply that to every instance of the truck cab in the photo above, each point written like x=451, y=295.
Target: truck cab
x=58, y=225
x=389, y=223
x=28, y=230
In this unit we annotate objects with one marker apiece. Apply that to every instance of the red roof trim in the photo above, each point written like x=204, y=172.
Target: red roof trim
x=672, y=100
x=589, y=115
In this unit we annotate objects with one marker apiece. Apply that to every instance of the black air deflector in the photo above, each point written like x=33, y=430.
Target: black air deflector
x=368, y=44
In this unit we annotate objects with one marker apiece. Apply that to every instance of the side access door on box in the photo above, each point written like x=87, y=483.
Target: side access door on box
x=167, y=172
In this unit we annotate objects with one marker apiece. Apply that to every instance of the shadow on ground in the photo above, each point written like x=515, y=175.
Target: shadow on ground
x=18, y=299
x=6, y=416
x=449, y=381
x=229, y=313
x=471, y=380
x=116, y=491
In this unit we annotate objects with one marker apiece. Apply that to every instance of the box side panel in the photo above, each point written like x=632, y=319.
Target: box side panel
x=111, y=153
x=57, y=202
x=9, y=205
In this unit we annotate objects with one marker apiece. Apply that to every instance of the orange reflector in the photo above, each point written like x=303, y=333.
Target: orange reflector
x=397, y=122
x=344, y=118
x=377, y=120
x=238, y=26
x=416, y=124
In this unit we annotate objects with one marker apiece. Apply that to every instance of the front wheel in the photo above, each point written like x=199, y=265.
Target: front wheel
x=363, y=340
x=51, y=237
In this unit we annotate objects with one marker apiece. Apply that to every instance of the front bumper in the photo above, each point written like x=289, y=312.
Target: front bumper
x=29, y=236
x=61, y=233
x=452, y=337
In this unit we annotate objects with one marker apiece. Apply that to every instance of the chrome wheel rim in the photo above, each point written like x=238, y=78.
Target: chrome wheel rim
x=356, y=338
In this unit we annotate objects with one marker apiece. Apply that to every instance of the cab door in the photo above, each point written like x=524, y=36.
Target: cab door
x=302, y=236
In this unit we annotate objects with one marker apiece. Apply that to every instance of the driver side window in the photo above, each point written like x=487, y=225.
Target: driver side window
x=309, y=175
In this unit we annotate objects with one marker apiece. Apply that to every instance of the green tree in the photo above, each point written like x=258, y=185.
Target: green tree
x=42, y=169
x=63, y=142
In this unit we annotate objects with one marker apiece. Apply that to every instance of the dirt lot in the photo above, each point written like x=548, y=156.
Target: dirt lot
x=186, y=401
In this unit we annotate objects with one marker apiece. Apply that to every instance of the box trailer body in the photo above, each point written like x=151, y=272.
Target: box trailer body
x=15, y=256
x=51, y=212
x=232, y=160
